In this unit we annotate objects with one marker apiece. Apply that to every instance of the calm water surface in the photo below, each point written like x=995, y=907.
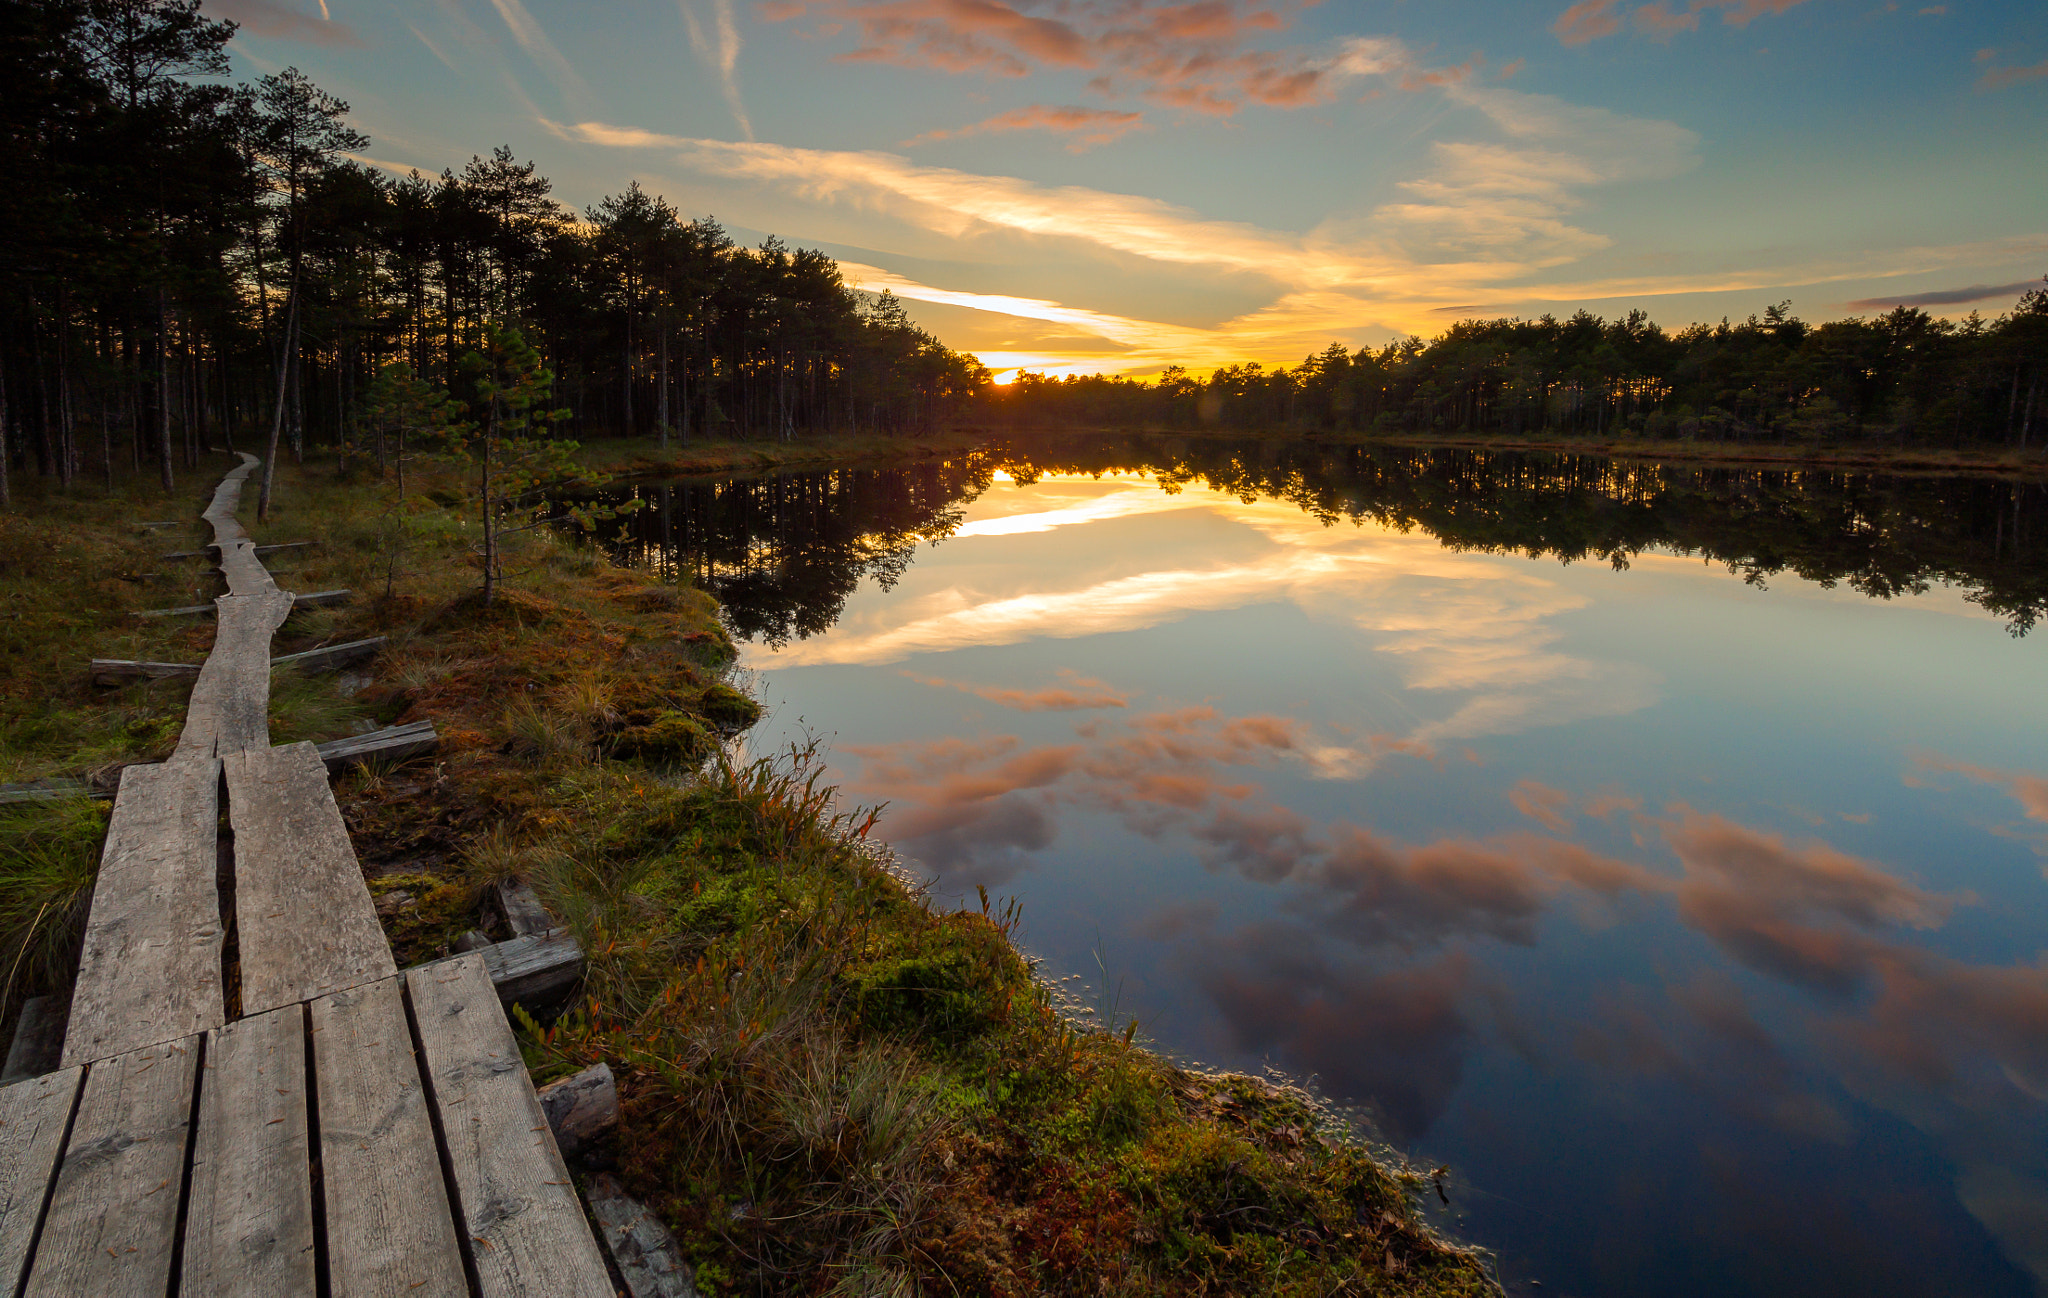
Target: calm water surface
x=1686, y=899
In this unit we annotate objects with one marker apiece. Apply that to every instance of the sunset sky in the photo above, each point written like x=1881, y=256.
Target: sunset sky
x=1078, y=186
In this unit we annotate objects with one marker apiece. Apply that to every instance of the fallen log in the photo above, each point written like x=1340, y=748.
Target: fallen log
x=48, y=791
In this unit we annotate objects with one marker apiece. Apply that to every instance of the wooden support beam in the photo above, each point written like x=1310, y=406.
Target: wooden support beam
x=513, y=1194
x=258, y=551
x=150, y=971
x=340, y=596
x=522, y=910
x=537, y=970
x=46, y=791
x=38, y=1040
x=33, y=1118
x=112, y=1224
x=305, y=921
x=647, y=1255
x=249, y=1214
x=329, y=657
x=389, y=1228
x=391, y=744
x=112, y=671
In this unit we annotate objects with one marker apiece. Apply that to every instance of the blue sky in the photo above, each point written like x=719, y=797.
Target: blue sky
x=1119, y=185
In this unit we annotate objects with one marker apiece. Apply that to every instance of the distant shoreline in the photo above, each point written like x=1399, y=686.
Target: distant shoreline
x=1887, y=459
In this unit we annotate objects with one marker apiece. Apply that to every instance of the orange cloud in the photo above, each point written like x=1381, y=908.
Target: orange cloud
x=2000, y=78
x=1543, y=803
x=1090, y=126
x=280, y=22
x=1078, y=695
x=1585, y=21
x=1590, y=20
x=2026, y=788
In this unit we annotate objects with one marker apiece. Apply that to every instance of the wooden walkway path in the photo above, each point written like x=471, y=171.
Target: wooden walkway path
x=252, y=1098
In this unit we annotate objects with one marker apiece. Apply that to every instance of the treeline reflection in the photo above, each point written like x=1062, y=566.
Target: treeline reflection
x=784, y=552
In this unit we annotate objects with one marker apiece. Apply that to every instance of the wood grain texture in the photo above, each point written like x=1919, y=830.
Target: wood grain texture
x=537, y=969
x=390, y=1233
x=230, y=705
x=150, y=969
x=113, y=1217
x=249, y=1215
x=38, y=1045
x=391, y=744
x=512, y=1190
x=33, y=1115
x=522, y=910
x=647, y=1255
x=330, y=656
x=306, y=923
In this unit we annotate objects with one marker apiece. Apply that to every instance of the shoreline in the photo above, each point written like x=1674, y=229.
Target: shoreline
x=1907, y=460
x=762, y=985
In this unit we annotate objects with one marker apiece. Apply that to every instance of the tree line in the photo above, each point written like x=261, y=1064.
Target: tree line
x=1904, y=377
x=187, y=262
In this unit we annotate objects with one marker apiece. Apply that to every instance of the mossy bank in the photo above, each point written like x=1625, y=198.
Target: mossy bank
x=830, y=1084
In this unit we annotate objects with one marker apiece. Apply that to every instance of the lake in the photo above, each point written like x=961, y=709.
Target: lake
x=1660, y=849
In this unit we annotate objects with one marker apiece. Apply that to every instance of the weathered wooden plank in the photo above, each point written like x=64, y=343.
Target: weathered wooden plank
x=389, y=1229
x=113, y=1216
x=150, y=971
x=538, y=969
x=46, y=791
x=331, y=656
x=339, y=596
x=391, y=744
x=38, y=1040
x=259, y=551
x=512, y=1190
x=188, y=610
x=647, y=1255
x=249, y=1215
x=112, y=671
x=33, y=1117
x=230, y=705
x=306, y=923
x=582, y=1109
x=522, y=910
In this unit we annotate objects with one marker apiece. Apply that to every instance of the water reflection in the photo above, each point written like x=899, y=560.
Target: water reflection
x=1698, y=927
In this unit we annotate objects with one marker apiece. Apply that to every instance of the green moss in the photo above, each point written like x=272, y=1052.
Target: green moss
x=728, y=709
x=423, y=914
x=670, y=736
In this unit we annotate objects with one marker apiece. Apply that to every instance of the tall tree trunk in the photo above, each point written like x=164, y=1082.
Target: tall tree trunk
x=663, y=345
x=163, y=391
x=6, y=446
x=291, y=325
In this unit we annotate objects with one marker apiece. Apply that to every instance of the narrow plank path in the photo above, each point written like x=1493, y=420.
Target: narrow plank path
x=338, y=1126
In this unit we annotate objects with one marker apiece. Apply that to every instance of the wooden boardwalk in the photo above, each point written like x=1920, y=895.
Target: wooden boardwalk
x=311, y=1120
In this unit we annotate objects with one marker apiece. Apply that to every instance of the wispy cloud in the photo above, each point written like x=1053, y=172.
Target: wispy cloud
x=1944, y=297
x=2000, y=78
x=720, y=53
x=1487, y=211
x=1590, y=20
x=280, y=22
x=1090, y=126
x=432, y=48
x=1197, y=57
x=535, y=42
